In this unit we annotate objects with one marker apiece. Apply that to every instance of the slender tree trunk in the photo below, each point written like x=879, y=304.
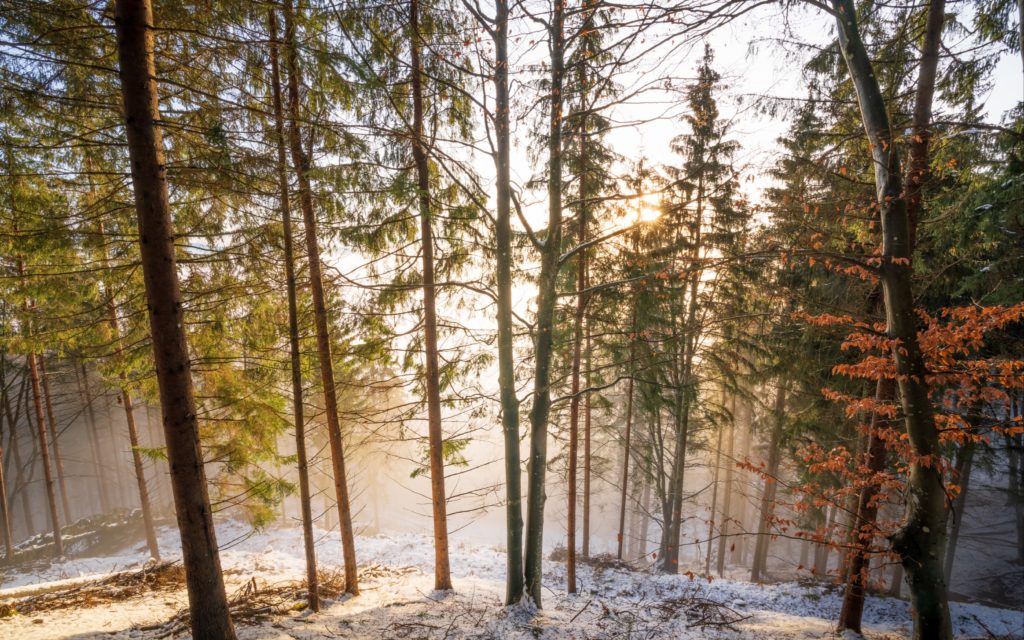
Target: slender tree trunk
x=503, y=265
x=44, y=449
x=574, y=403
x=866, y=515
x=546, y=300
x=730, y=463
x=963, y=473
x=323, y=337
x=140, y=475
x=137, y=70
x=58, y=460
x=714, y=501
x=442, y=572
x=129, y=414
x=625, y=461
x=921, y=126
x=921, y=540
x=94, y=442
x=645, y=519
x=771, y=483
x=587, y=438
x=298, y=410
x=739, y=549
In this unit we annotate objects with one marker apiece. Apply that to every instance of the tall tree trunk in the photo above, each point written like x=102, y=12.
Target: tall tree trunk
x=684, y=393
x=298, y=410
x=435, y=435
x=645, y=519
x=714, y=499
x=133, y=439
x=730, y=463
x=129, y=412
x=866, y=514
x=821, y=550
x=207, y=601
x=739, y=549
x=506, y=355
x=44, y=449
x=323, y=337
x=625, y=459
x=963, y=473
x=587, y=436
x=94, y=441
x=574, y=403
x=58, y=460
x=546, y=300
x=771, y=483
x=140, y=475
x=921, y=540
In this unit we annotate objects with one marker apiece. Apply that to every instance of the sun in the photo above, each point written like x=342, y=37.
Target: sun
x=648, y=213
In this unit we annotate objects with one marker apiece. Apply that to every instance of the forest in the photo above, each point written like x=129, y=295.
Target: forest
x=512, y=319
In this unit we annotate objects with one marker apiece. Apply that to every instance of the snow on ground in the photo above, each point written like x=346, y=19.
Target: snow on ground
x=397, y=600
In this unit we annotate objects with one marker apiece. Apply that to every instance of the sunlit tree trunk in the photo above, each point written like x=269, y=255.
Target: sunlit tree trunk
x=546, y=300
x=435, y=435
x=136, y=65
x=771, y=483
x=626, y=452
x=323, y=337
x=574, y=402
x=730, y=463
x=503, y=265
x=312, y=586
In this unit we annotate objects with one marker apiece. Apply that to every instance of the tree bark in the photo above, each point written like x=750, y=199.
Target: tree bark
x=574, y=403
x=730, y=463
x=771, y=483
x=298, y=410
x=323, y=337
x=503, y=264
x=625, y=461
x=442, y=571
x=137, y=69
x=546, y=299
x=587, y=436
x=714, y=499
x=921, y=540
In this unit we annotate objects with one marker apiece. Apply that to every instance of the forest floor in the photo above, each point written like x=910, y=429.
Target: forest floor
x=398, y=601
